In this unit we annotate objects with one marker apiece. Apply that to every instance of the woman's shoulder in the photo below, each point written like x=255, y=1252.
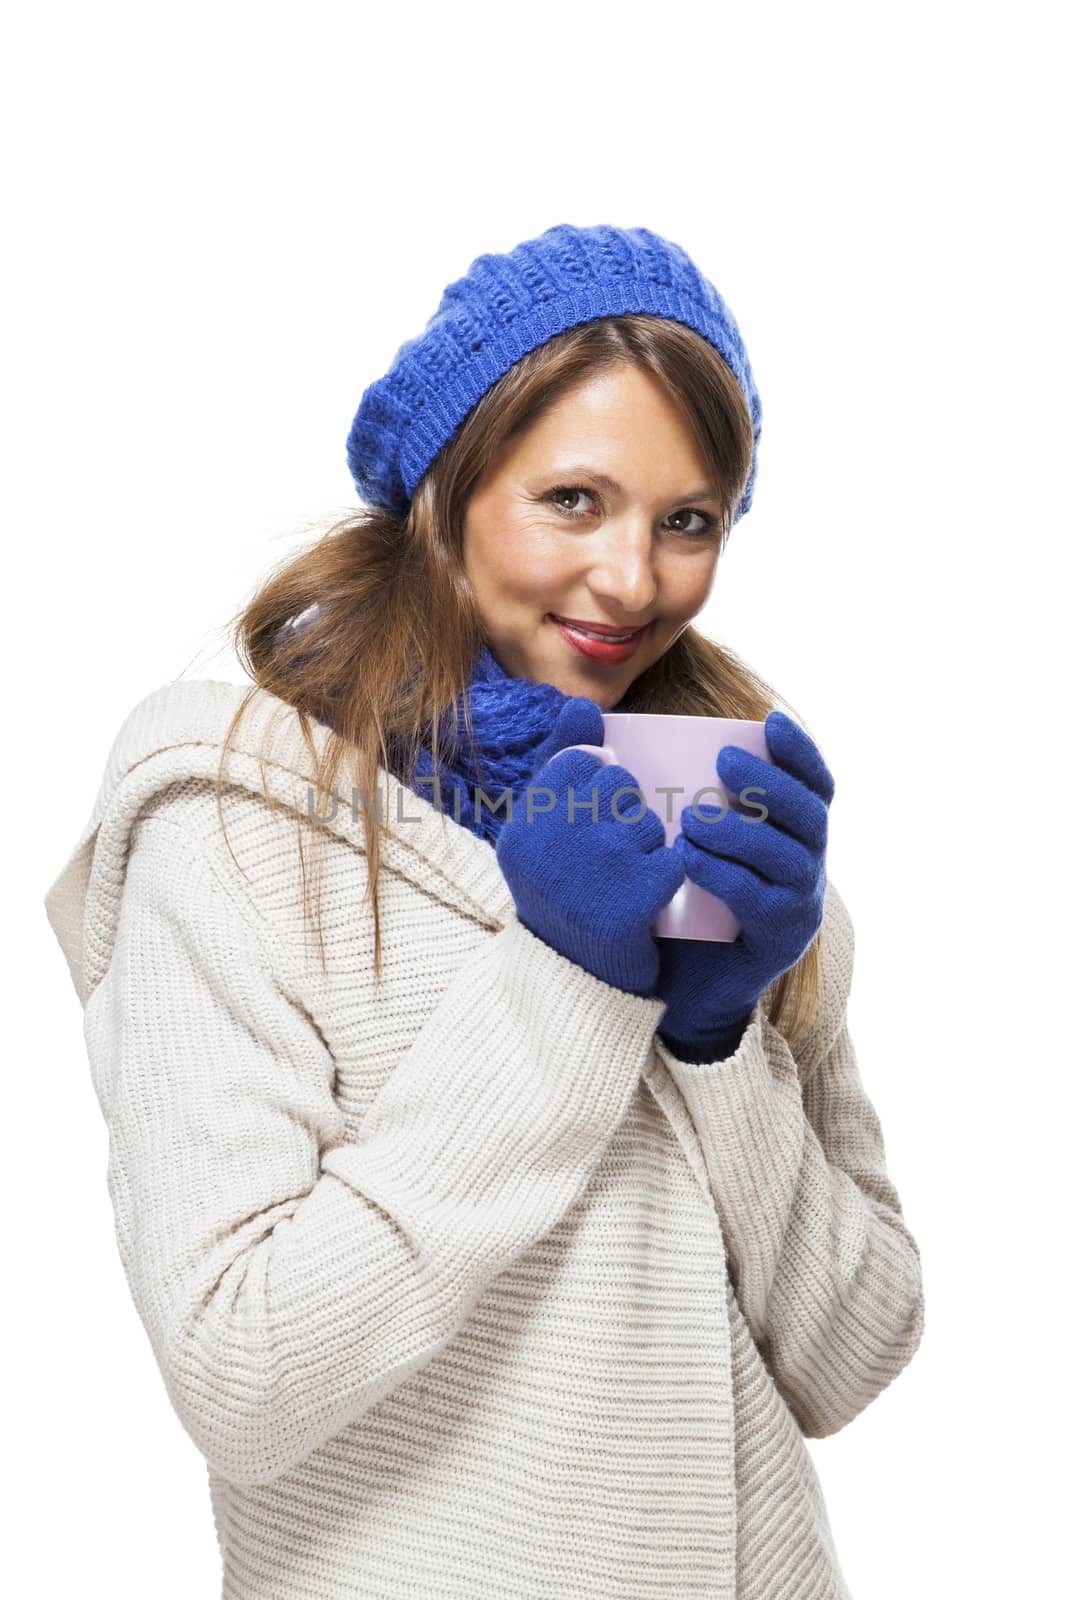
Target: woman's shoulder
x=257, y=849
x=209, y=814
x=187, y=712
x=198, y=755
x=201, y=762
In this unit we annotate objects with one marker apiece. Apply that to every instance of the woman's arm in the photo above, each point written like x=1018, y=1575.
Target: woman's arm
x=289, y=1278
x=826, y=1273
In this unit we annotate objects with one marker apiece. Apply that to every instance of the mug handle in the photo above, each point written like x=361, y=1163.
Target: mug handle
x=604, y=751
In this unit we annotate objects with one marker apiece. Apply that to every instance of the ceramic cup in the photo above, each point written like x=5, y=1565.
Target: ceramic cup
x=678, y=754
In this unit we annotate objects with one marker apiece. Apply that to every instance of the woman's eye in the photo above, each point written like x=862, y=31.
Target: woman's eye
x=706, y=527
x=566, y=489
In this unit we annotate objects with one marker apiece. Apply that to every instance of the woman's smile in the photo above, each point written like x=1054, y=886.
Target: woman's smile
x=597, y=646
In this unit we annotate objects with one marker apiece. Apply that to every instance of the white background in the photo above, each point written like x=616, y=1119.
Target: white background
x=222, y=221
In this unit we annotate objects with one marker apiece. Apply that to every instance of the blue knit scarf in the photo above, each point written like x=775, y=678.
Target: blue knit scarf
x=510, y=718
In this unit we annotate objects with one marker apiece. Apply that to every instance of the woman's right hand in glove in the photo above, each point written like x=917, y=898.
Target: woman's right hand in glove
x=589, y=882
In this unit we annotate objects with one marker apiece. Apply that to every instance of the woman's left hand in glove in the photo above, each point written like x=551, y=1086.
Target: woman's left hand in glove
x=770, y=871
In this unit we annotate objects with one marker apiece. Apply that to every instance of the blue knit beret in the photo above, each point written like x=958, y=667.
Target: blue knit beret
x=507, y=305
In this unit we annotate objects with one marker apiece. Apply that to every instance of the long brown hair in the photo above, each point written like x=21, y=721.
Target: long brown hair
x=389, y=631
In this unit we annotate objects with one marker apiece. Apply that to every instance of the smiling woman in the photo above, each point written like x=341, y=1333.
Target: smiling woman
x=519, y=1253
x=553, y=582
x=400, y=597
x=479, y=552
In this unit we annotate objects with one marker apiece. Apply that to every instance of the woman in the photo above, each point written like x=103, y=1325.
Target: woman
x=487, y=1243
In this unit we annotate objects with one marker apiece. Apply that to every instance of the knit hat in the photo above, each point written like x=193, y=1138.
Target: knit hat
x=507, y=305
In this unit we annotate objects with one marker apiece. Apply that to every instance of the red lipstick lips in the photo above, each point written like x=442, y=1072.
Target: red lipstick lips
x=580, y=635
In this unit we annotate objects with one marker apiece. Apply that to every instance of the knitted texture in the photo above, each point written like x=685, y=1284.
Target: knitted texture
x=504, y=737
x=589, y=889
x=771, y=872
x=579, y=900
x=507, y=304
x=589, y=872
x=508, y=722
x=461, y=1283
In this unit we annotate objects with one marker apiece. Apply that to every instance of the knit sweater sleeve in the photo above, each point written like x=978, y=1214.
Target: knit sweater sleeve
x=289, y=1277
x=825, y=1271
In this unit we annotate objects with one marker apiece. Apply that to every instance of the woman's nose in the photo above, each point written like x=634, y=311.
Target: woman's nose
x=622, y=575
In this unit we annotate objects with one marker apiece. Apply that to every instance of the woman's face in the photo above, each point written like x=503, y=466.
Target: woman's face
x=546, y=535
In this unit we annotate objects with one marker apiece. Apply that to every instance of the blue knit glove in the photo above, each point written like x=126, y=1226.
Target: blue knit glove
x=589, y=888
x=772, y=875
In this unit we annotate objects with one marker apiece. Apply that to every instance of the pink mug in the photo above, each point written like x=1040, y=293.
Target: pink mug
x=673, y=760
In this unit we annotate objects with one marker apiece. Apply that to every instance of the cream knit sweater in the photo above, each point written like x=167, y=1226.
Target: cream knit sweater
x=464, y=1286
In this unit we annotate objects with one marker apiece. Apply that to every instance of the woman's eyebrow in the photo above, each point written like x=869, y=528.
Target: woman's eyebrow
x=602, y=481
